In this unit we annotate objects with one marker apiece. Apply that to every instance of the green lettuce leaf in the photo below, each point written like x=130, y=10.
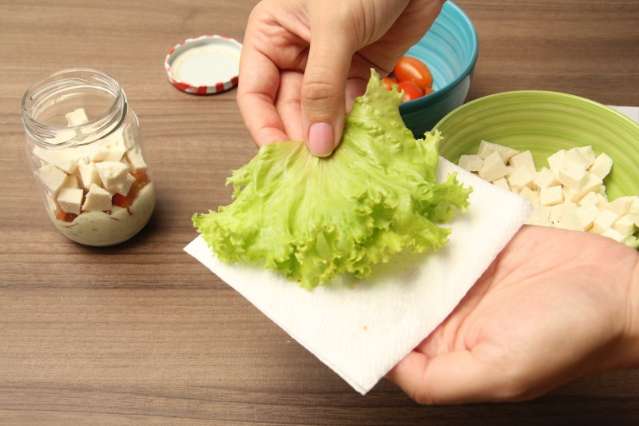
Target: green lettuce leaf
x=311, y=219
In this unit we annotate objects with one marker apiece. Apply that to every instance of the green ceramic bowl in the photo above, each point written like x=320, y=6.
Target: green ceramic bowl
x=545, y=122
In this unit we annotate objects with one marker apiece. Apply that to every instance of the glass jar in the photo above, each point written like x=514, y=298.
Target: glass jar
x=83, y=142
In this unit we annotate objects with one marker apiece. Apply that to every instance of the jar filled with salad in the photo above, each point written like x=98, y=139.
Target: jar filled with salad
x=84, y=146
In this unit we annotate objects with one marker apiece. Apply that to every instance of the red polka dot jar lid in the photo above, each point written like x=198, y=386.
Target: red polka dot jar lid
x=204, y=65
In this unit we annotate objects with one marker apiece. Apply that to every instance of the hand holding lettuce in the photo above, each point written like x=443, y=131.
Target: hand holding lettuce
x=311, y=219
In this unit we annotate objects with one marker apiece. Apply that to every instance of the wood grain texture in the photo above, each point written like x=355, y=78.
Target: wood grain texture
x=141, y=334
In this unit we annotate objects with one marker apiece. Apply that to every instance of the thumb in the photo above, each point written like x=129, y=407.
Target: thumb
x=452, y=378
x=323, y=88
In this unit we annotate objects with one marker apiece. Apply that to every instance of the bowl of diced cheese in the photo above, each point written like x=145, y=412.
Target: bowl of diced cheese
x=575, y=160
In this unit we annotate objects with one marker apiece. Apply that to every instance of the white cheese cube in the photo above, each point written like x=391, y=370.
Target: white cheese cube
x=77, y=117
x=556, y=161
x=502, y=183
x=614, y=234
x=625, y=225
x=635, y=218
x=586, y=216
x=575, y=157
x=71, y=182
x=107, y=153
x=602, y=166
x=88, y=174
x=634, y=207
x=530, y=195
x=604, y=221
x=551, y=196
x=621, y=205
x=571, y=174
x=137, y=161
x=556, y=213
x=97, y=199
x=493, y=168
x=587, y=154
x=63, y=159
x=486, y=148
x=589, y=184
x=119, y=140
x=590, y=199
x=544, y=178
x=52, y=177
x=70, y=200
x=520, y=177
x=523, y=160
x=540, y=217
x=569, y=219
x=471, y=163
x=113, y=175
x=124, y=187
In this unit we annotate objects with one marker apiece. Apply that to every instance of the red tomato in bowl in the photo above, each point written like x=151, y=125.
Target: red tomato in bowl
x=411, y=90
x=389, y=82
x=412, y=69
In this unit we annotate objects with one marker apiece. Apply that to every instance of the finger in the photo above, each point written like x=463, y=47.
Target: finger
x=450, y=378
x=323, y=104
x=258, y=84
x=289, y=104
x=355, y=87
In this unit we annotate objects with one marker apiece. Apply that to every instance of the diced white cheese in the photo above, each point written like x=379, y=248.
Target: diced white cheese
x=540, y=217
x=556, y=213
x=124, y=187
x=107, y=153
x=576, y=159
x=604, y=221
x=587, y=154
x=63, y=159
x=493, y=168
x=634, y=207
x=621, y=205
x=551, y=196
x=530, y=195
x=137, y=161
x=544, y=178
x=88, y=174
x=556, y=161
x=523, y=160
x=502, y=183
x=97, y=199
x=113, y=175
x=602, y=166
x=569, y=219
x=635, y=218
x=590, y=199
x=486, y=148
x=588, y=184
x=70, y=200
x=520, y=177
x=77, y=117
x=52, y=177
x=71, y=182
x=586, y=216
x=625, y=225
x=614, y=234
x=118, y=139
x=571, y=174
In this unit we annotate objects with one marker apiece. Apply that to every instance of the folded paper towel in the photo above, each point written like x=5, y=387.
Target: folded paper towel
x=361, y=331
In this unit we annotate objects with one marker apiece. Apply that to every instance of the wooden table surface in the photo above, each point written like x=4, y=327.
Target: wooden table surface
x=142, y=334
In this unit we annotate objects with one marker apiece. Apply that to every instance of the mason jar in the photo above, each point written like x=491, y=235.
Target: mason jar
x=84, y=146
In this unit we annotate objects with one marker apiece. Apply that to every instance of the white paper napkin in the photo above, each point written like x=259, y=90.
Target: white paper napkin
x=361, y=332
x=632, y=112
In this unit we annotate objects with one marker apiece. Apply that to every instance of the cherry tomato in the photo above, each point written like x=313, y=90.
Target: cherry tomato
x=66, y=217
x=412, y=69
x=389, y=82
x=141, y=179
x=411, y=90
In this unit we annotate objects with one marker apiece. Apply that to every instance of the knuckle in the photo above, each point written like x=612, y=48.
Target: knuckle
x=319, y=94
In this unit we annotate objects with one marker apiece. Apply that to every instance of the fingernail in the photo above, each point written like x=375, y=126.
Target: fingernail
x=321, y=139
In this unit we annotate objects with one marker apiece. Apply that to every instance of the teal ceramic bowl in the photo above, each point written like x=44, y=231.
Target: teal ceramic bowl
x=545, y=122
x=450, y=50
